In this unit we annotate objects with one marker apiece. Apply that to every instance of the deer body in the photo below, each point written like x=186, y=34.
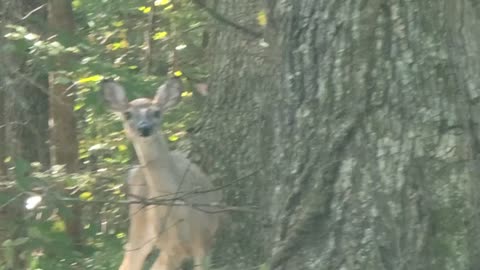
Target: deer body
x=179, y=231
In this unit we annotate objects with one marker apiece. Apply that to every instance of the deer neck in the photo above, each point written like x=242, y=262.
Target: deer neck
x=157, y=164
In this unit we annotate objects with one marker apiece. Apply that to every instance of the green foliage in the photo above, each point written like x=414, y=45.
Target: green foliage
x=109, y=42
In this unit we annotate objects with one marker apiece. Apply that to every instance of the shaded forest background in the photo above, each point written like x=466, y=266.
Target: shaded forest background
x=349, y=127
x=58, y=142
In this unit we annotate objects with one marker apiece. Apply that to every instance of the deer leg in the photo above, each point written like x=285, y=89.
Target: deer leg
x=161, y=263
x=166, y=261
x=141, y=235
x=135, y=258
x=199, y=260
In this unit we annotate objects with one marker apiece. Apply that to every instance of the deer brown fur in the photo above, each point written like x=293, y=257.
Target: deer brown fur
x=179, y=231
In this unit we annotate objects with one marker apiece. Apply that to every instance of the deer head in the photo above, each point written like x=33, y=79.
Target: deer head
x=141, y=117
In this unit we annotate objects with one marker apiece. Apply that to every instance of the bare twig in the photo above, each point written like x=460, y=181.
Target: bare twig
x=167, y=202
x=33, y=11
x=11, y=200
x=182, y=195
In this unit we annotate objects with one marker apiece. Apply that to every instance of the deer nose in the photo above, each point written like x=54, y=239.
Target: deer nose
x=145, y=129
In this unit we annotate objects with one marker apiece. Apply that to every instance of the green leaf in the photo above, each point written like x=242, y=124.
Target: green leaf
x=79, y=105
x=94, y=78
x=122, y=147
x=33, y=202
x=178, y=73
x=31, y=36
x=20, y=241
x=162, y=2
x=118, y=23
x=13, y=36
x=264, y=266
x=118, y=45
x=58, y=226
x=262, y=18
x=173, y=138
x=86, y=196
x=159, y=35
x=145, y=9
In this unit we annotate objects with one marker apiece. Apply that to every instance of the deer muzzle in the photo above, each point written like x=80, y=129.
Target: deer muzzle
x=145, y=129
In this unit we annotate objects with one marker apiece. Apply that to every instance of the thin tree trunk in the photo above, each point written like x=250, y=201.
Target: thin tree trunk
x=362, y=117
x=62, y=118
x=3, y=141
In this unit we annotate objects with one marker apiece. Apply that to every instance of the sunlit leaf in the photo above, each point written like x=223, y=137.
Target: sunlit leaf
x=94, y=78
x=168, y=7
x=76, y=4
x=31, y=36
x=119, y=45
x=79, y=105
x=117, y=23
x=147, y=10
x=85, y=196
x=178, y=73
x=58, y=226
x=263, y=43
x=7, y=159
x=180, y=47
x=120, y=235
x=142, y=8
x=262, y=18
x=186, y=94
x=13, y=36
x=162, y=2
x=97, y=147
x=7, y=243
x=173, y=138
x=159, y=35
x=72, y=49
x=33, y=202
x=122, y=147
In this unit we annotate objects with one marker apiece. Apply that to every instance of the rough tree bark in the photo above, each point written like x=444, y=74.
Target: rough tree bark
x=62, y=121
x=362, y=118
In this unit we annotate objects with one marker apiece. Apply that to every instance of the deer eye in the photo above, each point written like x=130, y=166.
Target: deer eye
x=127, y=115
x=156, y=113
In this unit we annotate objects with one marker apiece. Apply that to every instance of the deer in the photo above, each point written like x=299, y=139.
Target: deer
x=179, y=230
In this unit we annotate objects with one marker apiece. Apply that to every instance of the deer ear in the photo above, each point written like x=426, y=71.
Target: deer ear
x=169, y=94
x=202, y=88
x=114, y=95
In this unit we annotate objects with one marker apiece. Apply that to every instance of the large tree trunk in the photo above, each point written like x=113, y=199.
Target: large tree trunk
x=362, y=118
x=63, y=134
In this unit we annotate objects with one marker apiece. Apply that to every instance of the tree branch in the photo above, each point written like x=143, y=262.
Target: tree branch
x=226, y=21
x=166, y=202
